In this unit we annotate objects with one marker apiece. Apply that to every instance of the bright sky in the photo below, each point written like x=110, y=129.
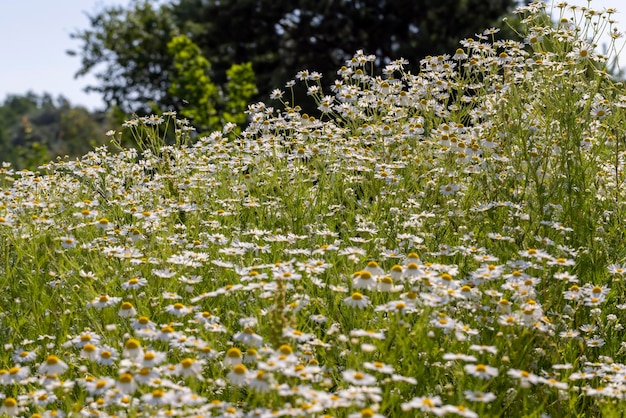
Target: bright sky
x=34, y=35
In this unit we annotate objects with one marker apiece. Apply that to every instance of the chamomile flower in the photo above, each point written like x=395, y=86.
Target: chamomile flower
x=103, y=301
x=127, y=310
x=22, y=356
x=53, y=365
x=482, y=371
x=233, y=357
x=364, y=280
x=238, y=375
x=357, y=300
x=358, y=378
x=134, y=283
x=178, y=309
x=379, y=367
x=423, y=403
x=190, y=367
x=249, y=337
x=483, y=397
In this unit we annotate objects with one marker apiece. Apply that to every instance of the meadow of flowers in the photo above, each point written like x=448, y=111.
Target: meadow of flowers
x=448, y=242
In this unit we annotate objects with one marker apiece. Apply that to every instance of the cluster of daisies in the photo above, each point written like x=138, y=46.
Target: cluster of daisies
x=442, y=241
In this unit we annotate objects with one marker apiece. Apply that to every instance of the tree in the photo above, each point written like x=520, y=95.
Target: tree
x=127, y=51
x=279, y=38
x=35, y=129
x=208, y=106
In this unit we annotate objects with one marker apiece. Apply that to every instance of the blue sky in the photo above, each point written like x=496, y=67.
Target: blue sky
x=34, y=35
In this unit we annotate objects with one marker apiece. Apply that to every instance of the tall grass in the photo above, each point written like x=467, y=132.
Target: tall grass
x=444, y=242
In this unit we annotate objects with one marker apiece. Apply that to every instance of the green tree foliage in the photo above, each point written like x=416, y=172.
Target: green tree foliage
x=240, y=89
x=191, y=81
x=208, y=106
x=279, y=38
x=34, y=129
x=127, y=52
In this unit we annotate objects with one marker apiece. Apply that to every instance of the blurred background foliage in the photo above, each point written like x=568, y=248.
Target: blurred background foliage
x=209, y=59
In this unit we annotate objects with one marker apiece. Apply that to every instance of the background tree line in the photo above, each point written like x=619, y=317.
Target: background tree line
x=208, y=59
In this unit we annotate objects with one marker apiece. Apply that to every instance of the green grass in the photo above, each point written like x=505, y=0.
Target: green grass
x=447, y=243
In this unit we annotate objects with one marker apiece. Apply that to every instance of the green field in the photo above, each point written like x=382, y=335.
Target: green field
x=441, y=242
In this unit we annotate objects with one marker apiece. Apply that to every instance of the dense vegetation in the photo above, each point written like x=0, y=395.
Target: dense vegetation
x=441, y=242
x=127, y=48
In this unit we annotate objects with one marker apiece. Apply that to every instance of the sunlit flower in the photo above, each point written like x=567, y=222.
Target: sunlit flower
x=525, y=378
x=482, y=371
x=248, y=337
x=484, y=397
x=357, y=300
x=423, y=403
x=126, y=383
x=233, y=357
x=127, y=310
x=23, y=356
x=132, y=349
x=53, y=365
x=364, y=280
x=178, y=309
x=158, y=397
x=103, y=301
x=358, y=378
x=238, y=375
x=190, y=367
x=10, y=407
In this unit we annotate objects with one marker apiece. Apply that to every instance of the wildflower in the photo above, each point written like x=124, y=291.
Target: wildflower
x=525, y=378
x=449, y=189
x=158, y=397
x=482, y=371
x=15, y=374
x=132, y=349
x=617, y=269
x=190, y=367
x=261, y=381
x=484, y=397
x=554, y=383
x=276, y=94
x=385, y=284
x=373, y=268
x=52, y=365
x=126, y=383
x=249, y=337
x=357, y=300
x=23, y=356
x=423, y=403
x=595, y=342
x=238, y=376
x=127, y=310
x=106, y=355
x=68, y=241
x=482, y=348
x=134, y=283
x=89, y=351
x=379, y=367
x=98, y=386
x=233, y=357
x=459, y=55
x=363, y=280
x=152, y=358
x=178, y=309
x=366, y=413
x=10, y=407
x=357, y=378
x=103, y=301
x=143, y=322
